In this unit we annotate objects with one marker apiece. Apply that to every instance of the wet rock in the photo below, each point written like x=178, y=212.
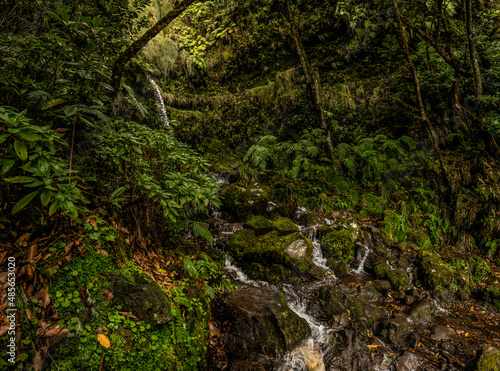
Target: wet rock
x=399, y=279
x=491, y=293
x=394, y=330
x=259, y=225
x=341, y=321
x=409, y=300
x=347, y=352
x=489, y=359
x=240, y=203
x=285, y=210
x=339, y=267
x=338, y=245
x=412, y=362
x=421, y=313
x=382, y=286
x=369, y=292
x=442, y=333
x=432, y=271
x=333, y=299
x=448, y=346
x=310, y=217
x=297, y=249
x=261, y=324
x=143, y=297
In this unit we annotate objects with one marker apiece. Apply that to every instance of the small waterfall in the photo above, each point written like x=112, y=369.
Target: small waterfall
x=299, y=212
x=270, y=206
x=362, y=256
x=309, y=355
x=160, y=105
x=242, y=277
x=312, y=234
x=439, y=308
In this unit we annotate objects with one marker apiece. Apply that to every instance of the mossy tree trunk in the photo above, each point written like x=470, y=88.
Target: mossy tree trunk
x=137, y=45
x=312, y=79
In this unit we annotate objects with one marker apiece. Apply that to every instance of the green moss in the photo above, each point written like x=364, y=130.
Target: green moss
x=381, y=270
x=489, y=360
x=432, y=271
x=259, y=224
x=399, y=279
x=338, y=245
x=239, y=241
x=285, y=226
x=420, y=238
x=240, y=204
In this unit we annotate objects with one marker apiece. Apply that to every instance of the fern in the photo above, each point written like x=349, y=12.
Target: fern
x=201, y=231
x=135, y=104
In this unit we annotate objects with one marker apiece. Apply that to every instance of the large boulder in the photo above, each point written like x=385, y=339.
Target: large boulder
x=432, y=271
x=261, y=325
x=241, y=203
x=143, y=297
x=272, y=257
x=489, y=359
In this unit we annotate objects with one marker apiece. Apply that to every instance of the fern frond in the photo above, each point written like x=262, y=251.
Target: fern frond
x=201, y=231
x=343, y=148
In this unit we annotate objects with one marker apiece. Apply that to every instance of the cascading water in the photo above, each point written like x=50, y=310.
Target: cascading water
x=363, y=255
x=240, y=276
x=312, y=234
x=160, y=105
x=309, y=356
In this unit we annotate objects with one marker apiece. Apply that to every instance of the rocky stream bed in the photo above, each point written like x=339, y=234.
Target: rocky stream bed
x=337, y=294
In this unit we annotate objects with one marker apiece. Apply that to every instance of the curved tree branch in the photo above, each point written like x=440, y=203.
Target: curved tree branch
x=137, y=45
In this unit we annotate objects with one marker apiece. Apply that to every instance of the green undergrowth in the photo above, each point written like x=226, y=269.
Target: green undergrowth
x=83, y=306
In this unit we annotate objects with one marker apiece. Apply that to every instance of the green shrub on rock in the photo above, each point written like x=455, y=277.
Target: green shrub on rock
x=338, y=245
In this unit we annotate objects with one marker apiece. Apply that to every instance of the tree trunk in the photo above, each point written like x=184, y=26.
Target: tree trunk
x=472, y=51
x=434, y=137
x=137, y=45
x=312, y=80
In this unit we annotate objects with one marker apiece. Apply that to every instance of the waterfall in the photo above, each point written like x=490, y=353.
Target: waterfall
x=242, y=277
x=362, y=257
x=160, y=105
x=309, y=355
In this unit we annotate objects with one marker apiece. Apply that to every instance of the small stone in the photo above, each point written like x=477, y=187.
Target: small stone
x=448, y=346
x=442, y=333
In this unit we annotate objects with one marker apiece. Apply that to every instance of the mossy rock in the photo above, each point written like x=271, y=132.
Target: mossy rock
x=420, y=238
x=432, y=271
x=489, y=359
x=285, y=210
x=382, y=286
x=339, y=267
x=310, y=217
x=143, y=297
x=363, y=313
x=491, y=294
x=259, y=224
x=284, y=226
x=240, y=203
x=381, y=270
x=399, y=279
x=239, y=241
x=324, y=230
x=338, y=245
x=292, y=251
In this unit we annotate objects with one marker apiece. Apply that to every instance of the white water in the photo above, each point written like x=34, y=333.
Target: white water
x=439, y=308
x=363, y=256
x=270, y=206
x=159, y=103
x=312, y=234
x=242, y=277
x=309, y=355
x=299, y=212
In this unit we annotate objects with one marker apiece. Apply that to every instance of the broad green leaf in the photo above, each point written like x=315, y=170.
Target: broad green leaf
x=4, y=137
x=20, y=179
x=23, y=202
x=21, y=150
x=7, y=164
x=54, y=207
x=31, y=137
x=52, y=103
x=117, y=192
x=70, y=110
x=45, y=196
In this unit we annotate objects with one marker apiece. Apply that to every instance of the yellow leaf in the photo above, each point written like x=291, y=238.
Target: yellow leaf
x=372, y=346
x=52, y=103
x=103, y=340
